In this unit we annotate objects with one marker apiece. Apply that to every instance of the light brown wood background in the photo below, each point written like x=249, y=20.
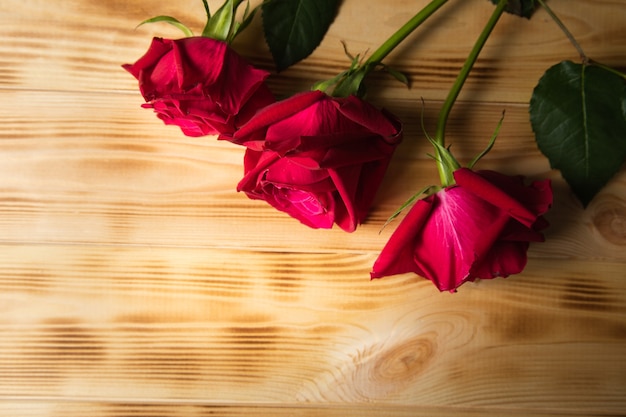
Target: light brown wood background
x=135, y=281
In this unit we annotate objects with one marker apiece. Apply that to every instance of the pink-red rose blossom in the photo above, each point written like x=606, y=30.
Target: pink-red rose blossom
x=479, y=228
x=200, y=84
x=318, y=158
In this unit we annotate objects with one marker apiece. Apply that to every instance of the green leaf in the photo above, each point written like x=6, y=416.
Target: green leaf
x=248, y=15
x=324, y=85
x=445, y=156
x=223, y=24
x=523, y=8
x=446, y=162
x=219, y=25
x=294, y=28
x=352, y=83
x=206, y=9
x=579, y=118
x=172, y=21
x=492, y=141
x=397, y=74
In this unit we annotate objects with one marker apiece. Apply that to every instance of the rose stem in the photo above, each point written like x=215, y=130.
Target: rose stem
x=379, y=54
x=444, y=173
x=573, y=41
x=350, y=81
x=569, y=35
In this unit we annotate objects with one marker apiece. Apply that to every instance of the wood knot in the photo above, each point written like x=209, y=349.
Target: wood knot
x=609, y=218
x=403, y=361
x=389, y=368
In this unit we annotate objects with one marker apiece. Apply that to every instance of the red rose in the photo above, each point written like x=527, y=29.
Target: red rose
x=479, y=228
x=318, y=158
x=200, y=84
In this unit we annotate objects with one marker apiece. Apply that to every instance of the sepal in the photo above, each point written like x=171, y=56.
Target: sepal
x=172, y=21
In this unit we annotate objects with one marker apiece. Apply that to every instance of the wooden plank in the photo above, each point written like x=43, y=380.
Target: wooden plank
x=91, y=39
x=219, y=325
x=135, y=281
x=49, y=408
x=93, y=168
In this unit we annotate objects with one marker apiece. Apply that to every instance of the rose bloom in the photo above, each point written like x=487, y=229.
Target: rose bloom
x=200, y=84
x=478, y=228
x=318, y=158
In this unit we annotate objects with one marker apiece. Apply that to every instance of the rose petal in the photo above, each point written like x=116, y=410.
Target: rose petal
x=370, y=148
x=379, y=122
x=242, y=81
x=346, y=182
x=285, y=173
x=397, y=255
x=318, y=126
x=537, y=197
x=324, y=159
x=459, y=233
x=312, y=209
x=200, y=84
x=504, y=259
x=198, y=61
x=274, y=113
x=157, y=49
x=255, y=164
x=479, y=228
x=486, y=190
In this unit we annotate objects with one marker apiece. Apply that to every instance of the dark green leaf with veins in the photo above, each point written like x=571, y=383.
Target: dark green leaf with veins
x=524, y=8
x=294, y=28
x=577, y=114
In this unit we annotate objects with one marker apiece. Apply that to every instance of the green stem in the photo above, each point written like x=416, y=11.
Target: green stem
x=569, y=35
x=350, y=82
x=444, y=173
x=403, y=32
x=607, y=68
x=586, y=60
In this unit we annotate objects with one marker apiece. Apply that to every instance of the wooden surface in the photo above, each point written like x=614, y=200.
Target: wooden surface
x=135, y=281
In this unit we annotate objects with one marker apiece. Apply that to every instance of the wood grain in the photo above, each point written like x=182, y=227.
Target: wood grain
x=281, y=328
x=142, y=183
x=119, y=409
x=92, y=38
x=135, y=281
